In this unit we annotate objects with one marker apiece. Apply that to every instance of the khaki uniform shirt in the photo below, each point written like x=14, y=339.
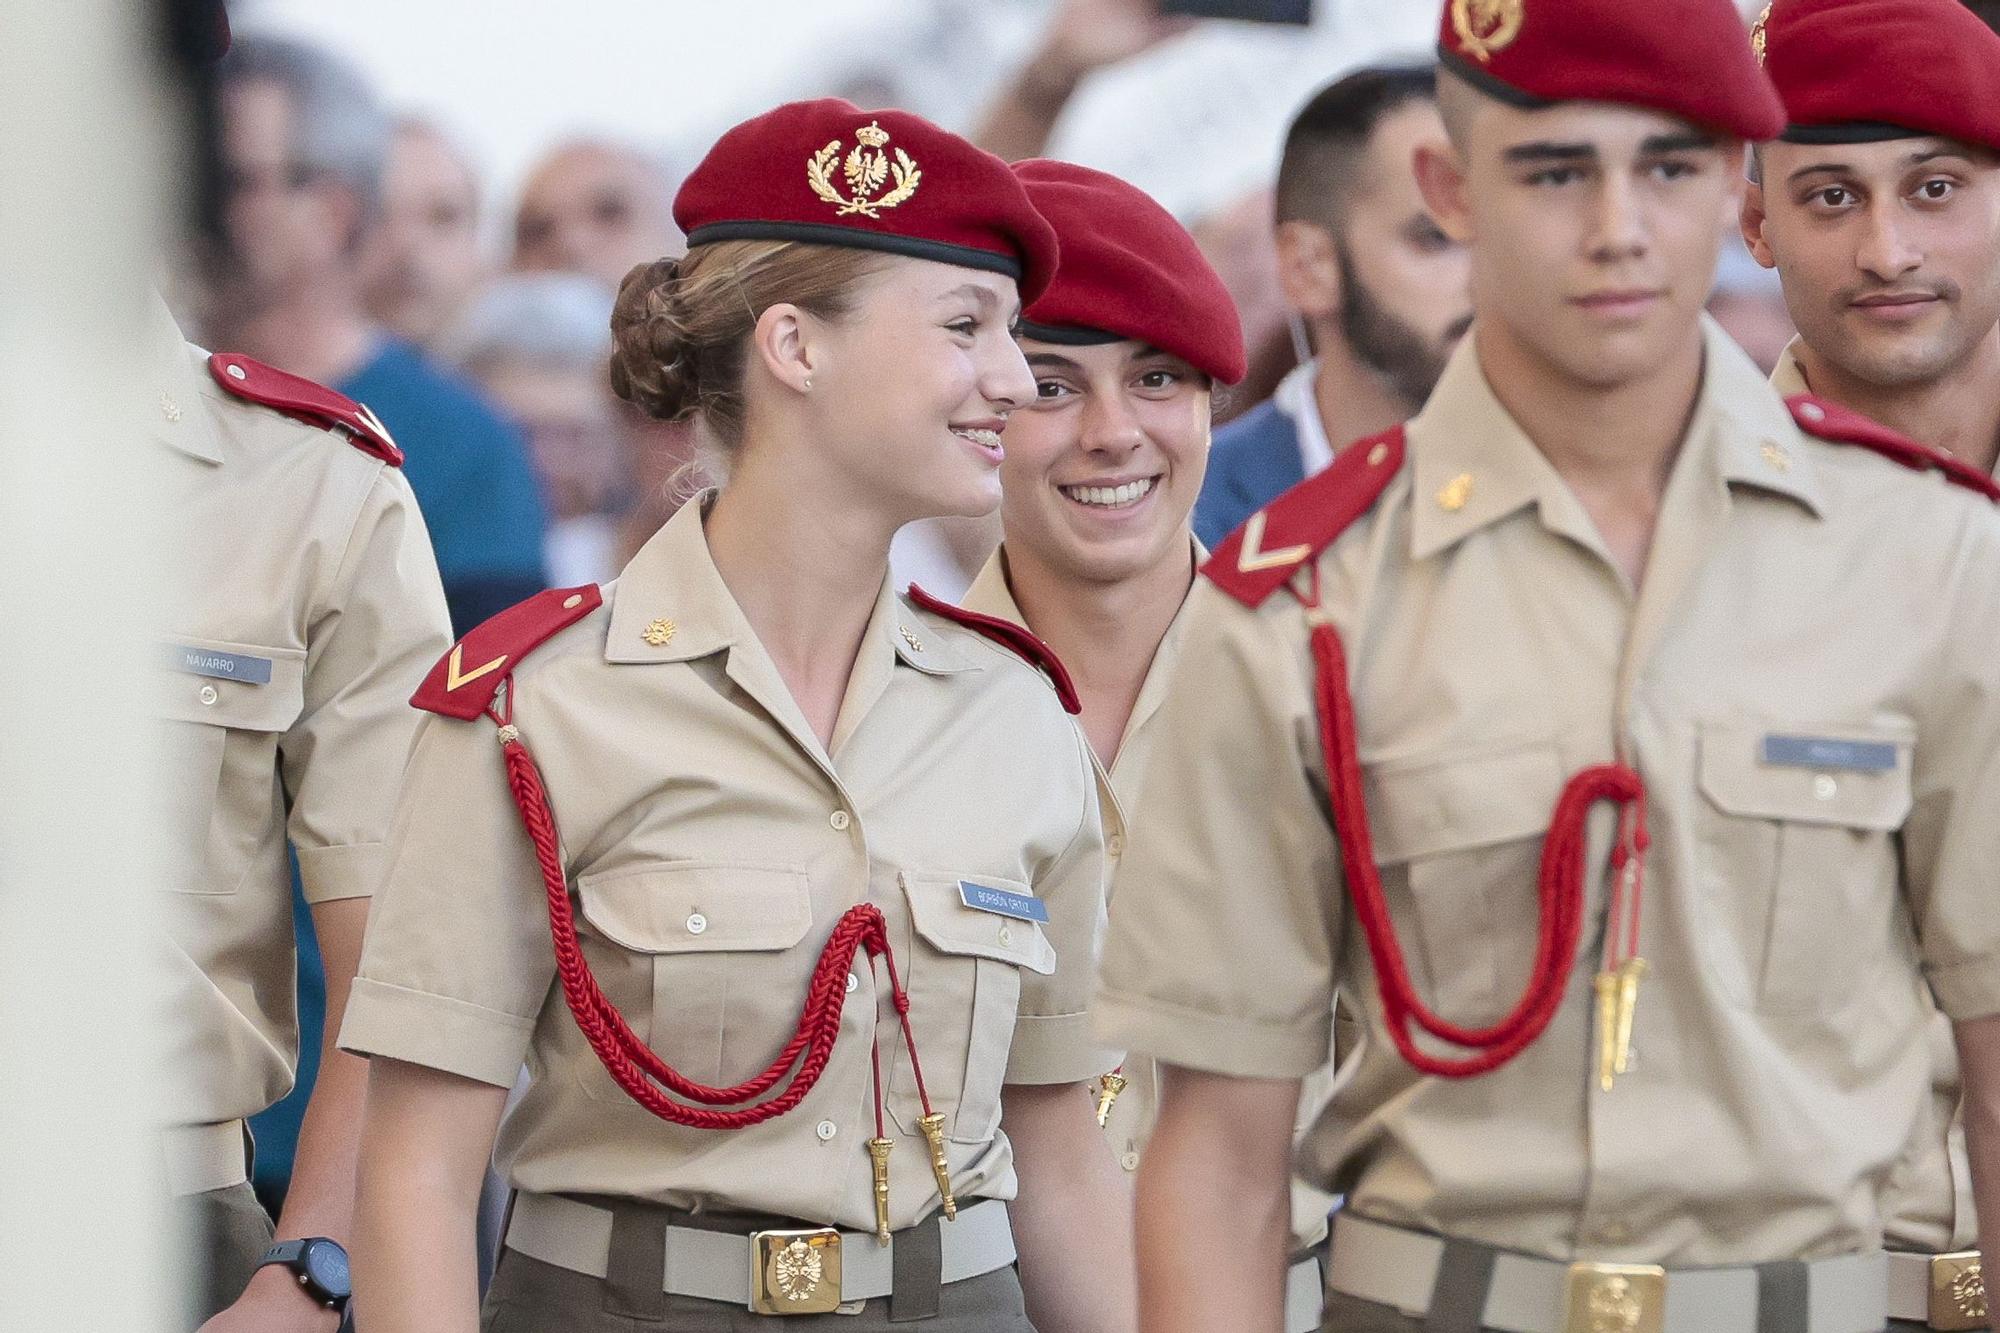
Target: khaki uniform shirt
x=712, y=843
x=1929, y=1202
x=303, y=608
x=1130, y=1124
x=1796, y=588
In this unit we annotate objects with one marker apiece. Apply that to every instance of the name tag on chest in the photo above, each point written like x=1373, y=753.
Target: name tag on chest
x=984, y=898
x=1829, y=752
x=223, y=666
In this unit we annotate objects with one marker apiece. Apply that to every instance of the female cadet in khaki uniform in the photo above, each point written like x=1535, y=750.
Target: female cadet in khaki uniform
x=1100, y=478
x=801, y=826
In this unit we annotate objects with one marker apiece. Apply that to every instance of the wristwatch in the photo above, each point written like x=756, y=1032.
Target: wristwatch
x=320, y=1265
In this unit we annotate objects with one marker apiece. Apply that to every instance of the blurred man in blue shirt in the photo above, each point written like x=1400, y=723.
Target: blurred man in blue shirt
x=1380, y=294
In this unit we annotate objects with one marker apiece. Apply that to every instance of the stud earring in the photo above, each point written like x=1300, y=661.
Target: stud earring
x=809, y=382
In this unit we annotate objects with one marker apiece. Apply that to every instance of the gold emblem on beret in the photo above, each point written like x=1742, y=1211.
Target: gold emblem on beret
x=867, y=169
x=1487, y=26
x=1760, y=37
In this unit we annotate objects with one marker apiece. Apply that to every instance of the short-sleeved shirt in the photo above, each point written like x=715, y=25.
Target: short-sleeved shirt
x=302, y=607
x=712, y=844
x=1130, y=1124
x=1805, y=681
x=1929, y=1195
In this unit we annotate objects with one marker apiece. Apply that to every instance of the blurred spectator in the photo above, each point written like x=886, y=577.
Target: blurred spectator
x=1083, y=37
x=423, y=262
x=595, y=208
x=539, y=344
x=1382, y=295
x=303, y=146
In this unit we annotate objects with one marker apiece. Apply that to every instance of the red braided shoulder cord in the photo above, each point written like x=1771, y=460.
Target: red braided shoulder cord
x=630, y=1062
x=1560, y=923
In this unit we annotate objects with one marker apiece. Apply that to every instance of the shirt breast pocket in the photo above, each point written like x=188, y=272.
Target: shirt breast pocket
x=1459, y=842
x=701, y=958
x=1798, y=862
x=964, y=980
x=219, y=738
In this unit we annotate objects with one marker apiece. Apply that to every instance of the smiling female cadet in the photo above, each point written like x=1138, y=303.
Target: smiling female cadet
x=834, y=860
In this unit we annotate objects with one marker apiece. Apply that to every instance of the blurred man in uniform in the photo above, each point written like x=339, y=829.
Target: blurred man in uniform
x=304, y=609
x=424, y=263
x=1617, y=738
x=1880, y=210
x=1378, y=289
x=597, y=209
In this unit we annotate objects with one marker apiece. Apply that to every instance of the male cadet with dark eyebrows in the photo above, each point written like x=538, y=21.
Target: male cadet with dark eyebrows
x=1619, y=742
x=1879, y=207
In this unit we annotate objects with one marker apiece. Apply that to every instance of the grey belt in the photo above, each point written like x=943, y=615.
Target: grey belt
x=1406, y=1269
x=1943, y=1291
x=1305, y=1295
x=719, y=1265
x=200, y=1158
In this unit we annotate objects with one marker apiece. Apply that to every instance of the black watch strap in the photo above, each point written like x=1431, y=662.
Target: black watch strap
x=293, y=1255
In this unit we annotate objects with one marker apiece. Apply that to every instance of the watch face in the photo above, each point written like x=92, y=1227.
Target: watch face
x=326, y=1265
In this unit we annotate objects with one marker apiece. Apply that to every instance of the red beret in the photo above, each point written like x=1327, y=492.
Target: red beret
x=833, y=174
x=1128, y=270
x=1688, y=58
x=1852, y=71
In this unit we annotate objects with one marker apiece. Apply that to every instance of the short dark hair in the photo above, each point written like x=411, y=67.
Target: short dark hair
x=1329, y=137
x=1987, y=10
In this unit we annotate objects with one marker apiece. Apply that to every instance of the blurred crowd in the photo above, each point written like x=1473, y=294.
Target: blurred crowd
x=357, y=248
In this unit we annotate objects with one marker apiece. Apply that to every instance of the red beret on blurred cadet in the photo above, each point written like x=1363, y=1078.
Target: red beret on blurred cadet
x=1689, y=58
x=830, y=173
x=1861, y=71
x=1128, y=270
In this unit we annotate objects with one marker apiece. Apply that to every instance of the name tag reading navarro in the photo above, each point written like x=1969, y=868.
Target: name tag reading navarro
x=222, y=666
x=1020, y=906
x=1827, y=752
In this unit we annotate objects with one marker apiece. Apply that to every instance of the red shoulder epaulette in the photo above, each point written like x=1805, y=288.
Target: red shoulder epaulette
x=303, y=400
x=1010, y=636
x=1261, y=556
x=1842, y=425
x=465, y=680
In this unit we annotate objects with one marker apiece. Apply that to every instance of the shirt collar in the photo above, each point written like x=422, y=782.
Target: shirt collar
x=1474, y=465
x=1295, y=398
x=180, y=416
x=1789, y=379
x=670, y=604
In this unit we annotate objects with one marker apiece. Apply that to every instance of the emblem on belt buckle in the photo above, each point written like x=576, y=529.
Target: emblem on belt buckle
x=795, y=1272
x=1616, y=1298
x=1958, y=1291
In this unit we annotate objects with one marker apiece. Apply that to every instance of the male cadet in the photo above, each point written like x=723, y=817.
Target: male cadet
x=1620, y=741
x=302, y=608
x=1880, y=209
x=1378, y=290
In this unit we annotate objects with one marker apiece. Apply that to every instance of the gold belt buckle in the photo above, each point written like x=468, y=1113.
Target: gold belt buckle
x=1958, y=1291
x=1616, y=1298
x=795, y=1272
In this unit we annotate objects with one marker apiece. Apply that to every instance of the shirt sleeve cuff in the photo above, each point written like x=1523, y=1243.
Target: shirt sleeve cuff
x=1237, y=1047
x=435, y=1031
x=1967, y=990
x=349, y=871
x=1056, y=1048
